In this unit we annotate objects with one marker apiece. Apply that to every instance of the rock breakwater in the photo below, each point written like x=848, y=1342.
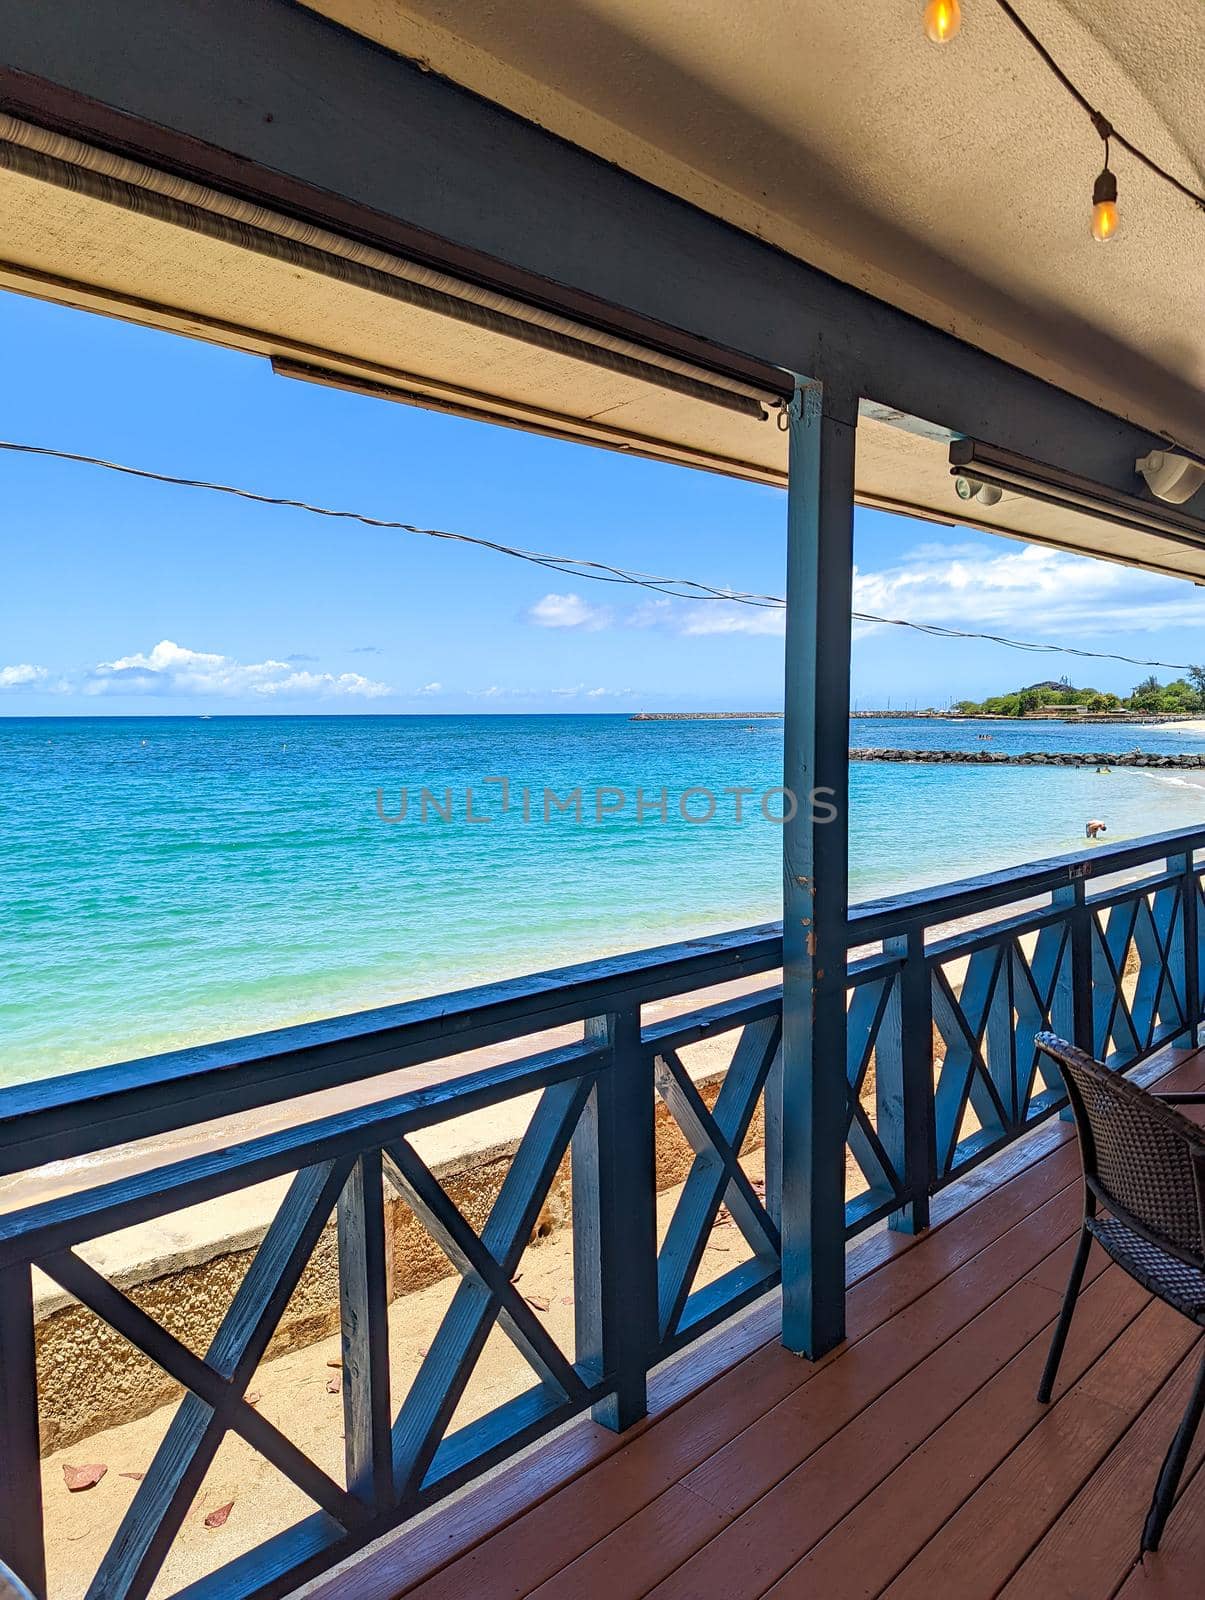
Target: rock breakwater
x=1035, y=758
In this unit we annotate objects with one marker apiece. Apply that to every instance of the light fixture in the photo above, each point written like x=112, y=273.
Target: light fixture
x=1104, y=207
x=943, y=18
x=1172, y=477
x=1038, y=480
x=1104, y=191
x=987, y=494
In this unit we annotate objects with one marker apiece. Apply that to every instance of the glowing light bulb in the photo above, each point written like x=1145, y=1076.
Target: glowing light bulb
x=1105, y=220
x=943, y=18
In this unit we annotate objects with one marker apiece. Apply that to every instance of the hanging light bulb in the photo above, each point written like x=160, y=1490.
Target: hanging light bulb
x=943, y=18
x=1104, y=204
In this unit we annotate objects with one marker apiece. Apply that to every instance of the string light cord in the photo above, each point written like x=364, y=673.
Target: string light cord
x=1100, y=122
x=573, y=566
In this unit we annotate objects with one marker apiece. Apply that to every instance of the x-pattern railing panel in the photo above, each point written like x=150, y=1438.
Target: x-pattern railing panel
x=987, y=1024
x=716, y=1176
x=870, y=1005
x=964, y=1079
x=214, y=1402
x=486, y=1294
x=1040, y=985
x=1147, y=925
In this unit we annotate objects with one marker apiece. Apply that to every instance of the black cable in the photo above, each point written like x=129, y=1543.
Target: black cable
x=1099, y=121
x=575, y=566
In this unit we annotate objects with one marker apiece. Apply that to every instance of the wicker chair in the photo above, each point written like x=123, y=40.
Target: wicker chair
x=1145, y=1165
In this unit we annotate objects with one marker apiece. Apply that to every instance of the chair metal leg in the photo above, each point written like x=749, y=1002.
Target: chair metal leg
x=1173, y=1465
x=1063, y=1326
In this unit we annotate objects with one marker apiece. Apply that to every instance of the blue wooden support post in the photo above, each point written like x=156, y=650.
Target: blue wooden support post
x=614, y=1222
x=815, y=868
x=904, y=1080
x=21, y=1544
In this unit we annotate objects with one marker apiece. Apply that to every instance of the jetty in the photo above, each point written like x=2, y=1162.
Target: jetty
x=1033, y=758
x=706, y=716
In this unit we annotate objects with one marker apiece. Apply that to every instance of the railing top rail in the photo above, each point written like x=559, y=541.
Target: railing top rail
x=66, y=1220
x=82, y=1112
x=877, y=919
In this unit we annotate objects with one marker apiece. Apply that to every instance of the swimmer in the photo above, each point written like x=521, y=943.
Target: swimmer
x=1093, y=828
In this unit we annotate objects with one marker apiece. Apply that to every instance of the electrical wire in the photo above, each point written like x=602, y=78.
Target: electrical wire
x=574, y=566
x=568, y=566
x=1100, y=122
x=940, y=632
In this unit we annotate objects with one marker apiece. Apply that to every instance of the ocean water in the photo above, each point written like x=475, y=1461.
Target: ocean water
x=167, y=881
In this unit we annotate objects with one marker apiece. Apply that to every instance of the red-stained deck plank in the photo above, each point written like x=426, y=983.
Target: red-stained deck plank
x=866, y=1550
x=1174, y=1571
x=1098, y=1534
x=993, y=1533
x=737, y=1476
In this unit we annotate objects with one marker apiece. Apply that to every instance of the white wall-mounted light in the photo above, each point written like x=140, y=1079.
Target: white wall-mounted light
x=1171, y=477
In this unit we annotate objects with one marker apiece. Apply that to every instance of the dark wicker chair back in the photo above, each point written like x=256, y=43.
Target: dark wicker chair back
x=1142, y=1159
x=1145, y=1163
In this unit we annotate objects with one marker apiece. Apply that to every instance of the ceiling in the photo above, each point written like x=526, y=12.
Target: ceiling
x=954, y=182
x=958, y=190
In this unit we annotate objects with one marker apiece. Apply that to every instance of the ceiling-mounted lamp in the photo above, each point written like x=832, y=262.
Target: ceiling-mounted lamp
x=987, y=494
x=1172, y=477
x=943, y=18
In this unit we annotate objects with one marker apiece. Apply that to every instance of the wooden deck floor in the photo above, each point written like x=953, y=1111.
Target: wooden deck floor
x=913, y=1462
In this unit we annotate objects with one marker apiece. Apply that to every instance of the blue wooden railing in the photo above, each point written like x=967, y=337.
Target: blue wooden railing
x=947, y=988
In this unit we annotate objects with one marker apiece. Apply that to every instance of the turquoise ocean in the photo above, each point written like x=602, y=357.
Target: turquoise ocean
x=170, y=880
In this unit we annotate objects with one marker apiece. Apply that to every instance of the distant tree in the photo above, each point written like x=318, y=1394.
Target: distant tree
x=1178, y=695
x=1196, y=676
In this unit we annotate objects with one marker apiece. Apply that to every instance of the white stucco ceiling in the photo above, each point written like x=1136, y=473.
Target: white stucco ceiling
x=953, y=181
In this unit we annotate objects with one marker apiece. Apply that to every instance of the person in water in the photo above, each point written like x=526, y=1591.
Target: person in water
x=1093, y=828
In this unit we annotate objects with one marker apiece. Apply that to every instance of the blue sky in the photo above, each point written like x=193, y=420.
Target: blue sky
x=121, y=596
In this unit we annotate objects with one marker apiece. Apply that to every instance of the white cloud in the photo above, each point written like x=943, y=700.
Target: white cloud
x=23, y=676
x=653, y=614
x=580, y=691
x=1025, y=590
x=576, y=691
x=431, y=688
x=1028, y=590
x=568, y=611
x=722, y=616
x=171, y=669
